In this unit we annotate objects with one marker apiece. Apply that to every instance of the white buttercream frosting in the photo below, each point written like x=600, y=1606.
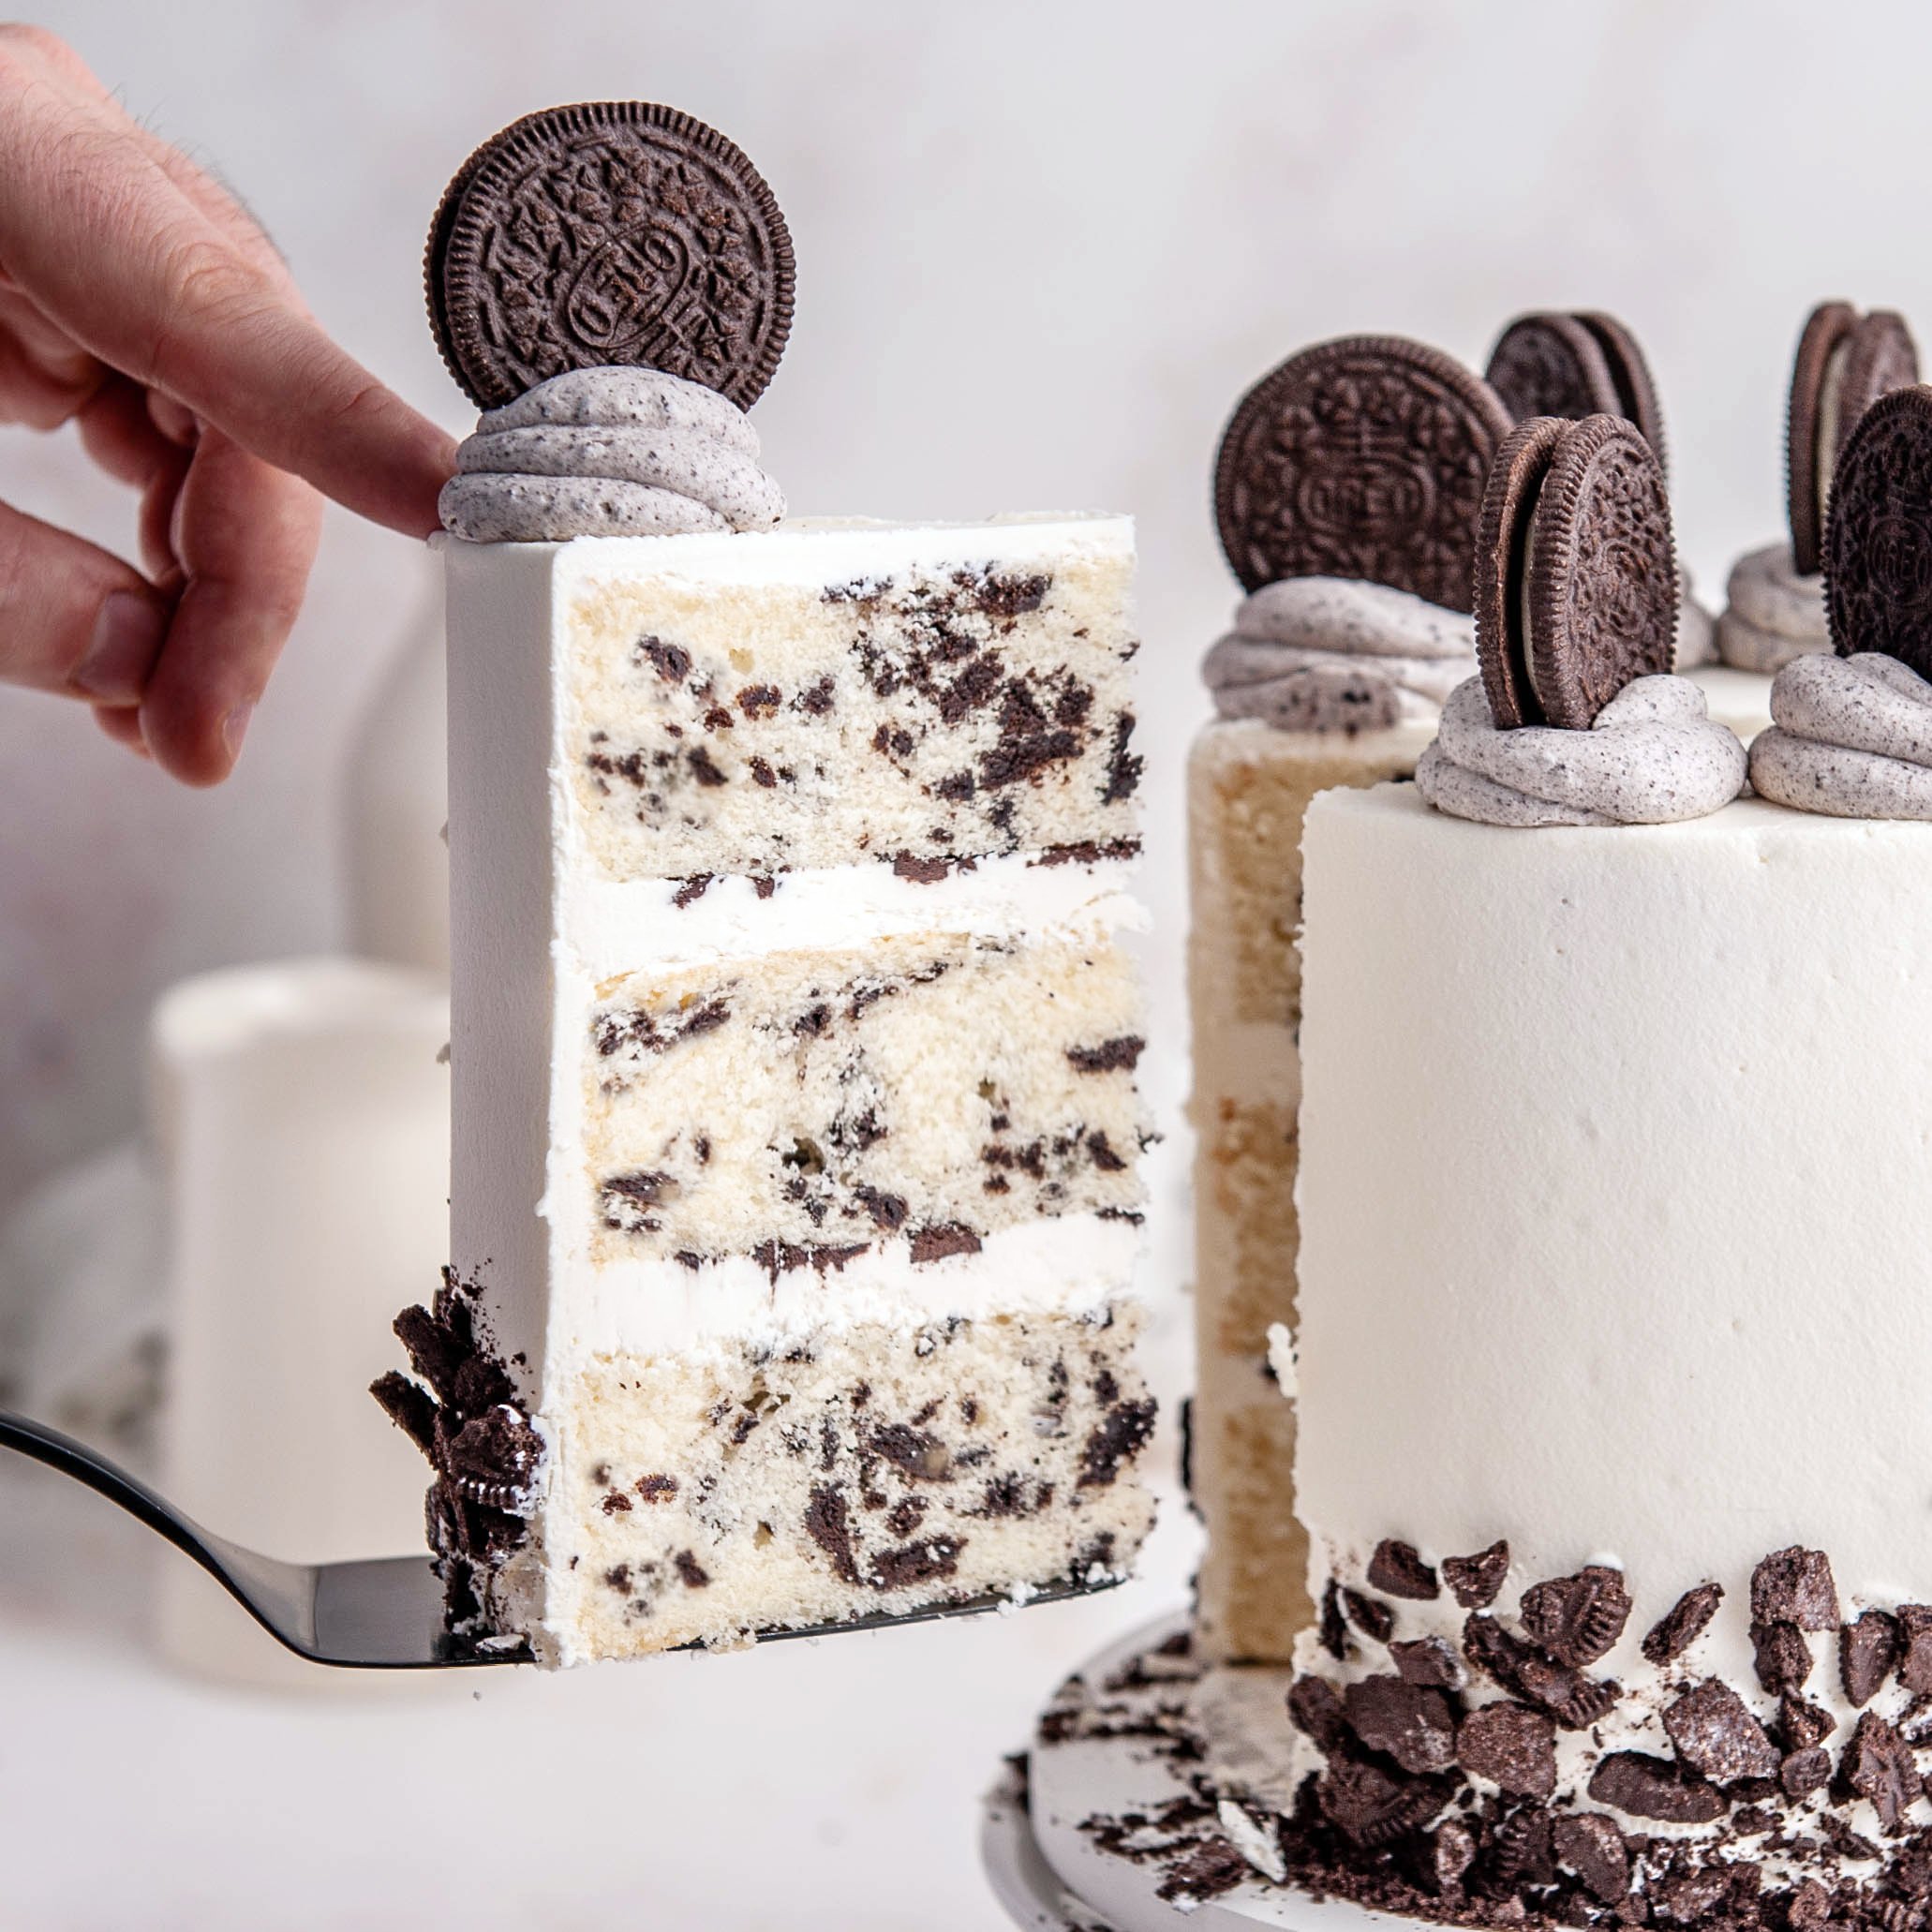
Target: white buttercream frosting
x=1772, y=614
x=617, y=452
x=1654, y=756
x=1338, y=654
x=1576, y=1252
x=1849, y=737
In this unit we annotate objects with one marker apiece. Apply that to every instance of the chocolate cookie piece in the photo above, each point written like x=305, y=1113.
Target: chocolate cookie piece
x=1878, y=552
x=607, y=233
x=1576, y=570
x=1580, y=364
x=1363, y=458
x=1845, y=362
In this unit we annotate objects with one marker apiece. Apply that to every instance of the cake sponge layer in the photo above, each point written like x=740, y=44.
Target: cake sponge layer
x=1249, y=786
x=701, y=1498
x=810, y=1104
x=913, y=711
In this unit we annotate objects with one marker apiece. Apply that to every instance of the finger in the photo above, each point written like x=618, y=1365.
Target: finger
x=60, y=68
x=245, y=534
x=122, y=723
x=45, y=376
x=142, y=278
x=74, y=617
x=118, y=431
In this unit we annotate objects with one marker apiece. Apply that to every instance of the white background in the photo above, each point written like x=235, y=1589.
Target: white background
x=1042, y=250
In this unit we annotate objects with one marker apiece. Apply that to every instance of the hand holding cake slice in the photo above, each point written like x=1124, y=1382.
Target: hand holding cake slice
x=793, y=1204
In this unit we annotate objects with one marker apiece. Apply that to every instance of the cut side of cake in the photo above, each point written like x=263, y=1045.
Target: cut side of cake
x=794, y=1042
x=1249, y=787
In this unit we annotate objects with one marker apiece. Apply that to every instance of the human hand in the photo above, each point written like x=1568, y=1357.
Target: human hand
x=139, y=301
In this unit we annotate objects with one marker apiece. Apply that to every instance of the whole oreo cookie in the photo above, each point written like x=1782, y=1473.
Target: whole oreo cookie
x=1878, y=548
x=1579, y=363
x=1576, y=570
x=1502, y=542
x=1363, y=458
x=606, y=233
x=1845, y=362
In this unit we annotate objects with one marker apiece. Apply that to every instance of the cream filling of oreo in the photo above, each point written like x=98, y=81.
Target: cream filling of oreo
x=1654, y=756
x=1523, y=628
x=1850, y=738
x=612, y=452
x=1339, y=654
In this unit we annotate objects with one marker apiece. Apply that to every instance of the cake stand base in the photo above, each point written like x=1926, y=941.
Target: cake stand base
x=1104, y=1768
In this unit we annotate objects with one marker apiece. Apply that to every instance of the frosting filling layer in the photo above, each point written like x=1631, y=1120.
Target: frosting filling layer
x=1652, y=757
x=1850, y=736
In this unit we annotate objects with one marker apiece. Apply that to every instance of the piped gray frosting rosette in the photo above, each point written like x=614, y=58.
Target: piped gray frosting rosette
x=1653, y=756
x=610, y=452
x=1329, y=654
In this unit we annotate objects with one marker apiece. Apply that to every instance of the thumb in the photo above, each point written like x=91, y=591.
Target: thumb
x=73, y=617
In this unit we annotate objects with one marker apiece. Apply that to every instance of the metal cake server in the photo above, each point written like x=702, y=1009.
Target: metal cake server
x=382, y=1613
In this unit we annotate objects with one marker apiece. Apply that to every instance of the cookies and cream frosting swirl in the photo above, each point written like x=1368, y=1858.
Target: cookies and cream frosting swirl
x=1773, y=615
x=1849, y=737
x=609, y=452
x=1339, y=654
x=1654, y=756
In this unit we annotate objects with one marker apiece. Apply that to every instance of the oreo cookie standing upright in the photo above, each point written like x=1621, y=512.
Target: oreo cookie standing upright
x=1576, y=570
x=1576, y=364
x=1878, y=548
x=1844, y=364
x=609, y=232
x=1363, y=458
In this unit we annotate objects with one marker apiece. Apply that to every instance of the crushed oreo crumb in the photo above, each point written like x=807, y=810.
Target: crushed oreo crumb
x=1475, y=1581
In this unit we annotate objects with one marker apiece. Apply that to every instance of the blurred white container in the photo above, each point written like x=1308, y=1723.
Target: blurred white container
x=301, y=1112
x=399, y=802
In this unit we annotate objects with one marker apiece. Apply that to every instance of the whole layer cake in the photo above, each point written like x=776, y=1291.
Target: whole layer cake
x=1612, y=1142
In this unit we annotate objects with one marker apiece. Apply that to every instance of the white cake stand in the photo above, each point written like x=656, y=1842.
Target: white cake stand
x=1051, y=1876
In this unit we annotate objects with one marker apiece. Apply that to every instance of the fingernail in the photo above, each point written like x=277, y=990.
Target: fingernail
x=235, y=727
x=127, y=634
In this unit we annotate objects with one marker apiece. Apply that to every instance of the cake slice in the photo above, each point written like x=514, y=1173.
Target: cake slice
x=793, y=1058
x=795, y=1203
